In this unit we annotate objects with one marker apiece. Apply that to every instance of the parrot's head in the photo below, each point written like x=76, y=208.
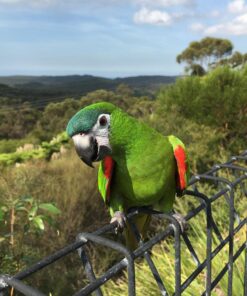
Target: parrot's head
x=89, y=129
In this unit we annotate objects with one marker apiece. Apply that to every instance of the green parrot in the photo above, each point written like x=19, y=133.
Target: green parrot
x=138, y=165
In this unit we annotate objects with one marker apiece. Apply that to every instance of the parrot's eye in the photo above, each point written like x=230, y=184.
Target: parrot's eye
x=103, y=121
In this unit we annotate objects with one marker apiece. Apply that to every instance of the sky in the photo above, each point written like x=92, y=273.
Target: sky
x=111, y=38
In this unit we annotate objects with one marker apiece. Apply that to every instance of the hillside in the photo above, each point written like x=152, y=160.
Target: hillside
x=31, y=88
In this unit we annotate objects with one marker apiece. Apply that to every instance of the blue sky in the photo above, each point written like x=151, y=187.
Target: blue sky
x=111, y=37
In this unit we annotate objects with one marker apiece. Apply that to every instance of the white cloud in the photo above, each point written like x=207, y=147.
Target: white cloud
x=197, y=27
x=242, y=19
x=153, y=17
x=233, y=27
x=238, y=26
x=214, y=30
x=237, y=6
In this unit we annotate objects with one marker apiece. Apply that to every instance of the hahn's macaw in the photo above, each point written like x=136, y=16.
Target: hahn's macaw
x=138, y=165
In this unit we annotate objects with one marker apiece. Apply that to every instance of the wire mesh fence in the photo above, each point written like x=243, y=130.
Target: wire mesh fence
x=226, y=181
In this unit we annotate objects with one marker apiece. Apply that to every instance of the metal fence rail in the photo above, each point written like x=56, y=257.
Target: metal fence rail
x=226, y=189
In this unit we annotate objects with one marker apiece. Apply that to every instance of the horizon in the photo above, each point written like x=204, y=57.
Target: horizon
x=111, y=38
x=90, y=75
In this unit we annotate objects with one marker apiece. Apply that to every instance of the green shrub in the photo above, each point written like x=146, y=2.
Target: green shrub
x=218, y=100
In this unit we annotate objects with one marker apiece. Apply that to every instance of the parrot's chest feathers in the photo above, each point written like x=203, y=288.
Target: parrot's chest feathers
x=144, y=181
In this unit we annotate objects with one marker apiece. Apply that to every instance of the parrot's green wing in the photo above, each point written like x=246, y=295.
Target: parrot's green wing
x=182, y=163
x=105, y=173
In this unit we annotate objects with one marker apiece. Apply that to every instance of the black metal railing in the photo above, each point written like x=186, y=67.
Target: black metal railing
x=225, y=187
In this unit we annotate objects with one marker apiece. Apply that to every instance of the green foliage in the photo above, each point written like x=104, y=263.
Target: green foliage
x=54, y=119
x=200, y=55
x=197, y=70
x=29, y=210
x=217, y=100
x=18, y=157
x=49, y=208
x=236, y=60
x=72, y=188
x=17, y=123
x=203, y=142
x=8, y=146
x=45, y=150
x=23, y=219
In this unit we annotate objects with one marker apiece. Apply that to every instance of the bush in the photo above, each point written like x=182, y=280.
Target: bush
x=217, y=100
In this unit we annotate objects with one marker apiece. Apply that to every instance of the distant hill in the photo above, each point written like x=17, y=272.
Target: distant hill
x=53, y=88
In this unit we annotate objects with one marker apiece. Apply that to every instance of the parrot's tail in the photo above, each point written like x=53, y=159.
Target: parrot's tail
x=142, y=222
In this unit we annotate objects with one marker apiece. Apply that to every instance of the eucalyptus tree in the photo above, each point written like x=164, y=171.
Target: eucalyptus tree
x=204, y=54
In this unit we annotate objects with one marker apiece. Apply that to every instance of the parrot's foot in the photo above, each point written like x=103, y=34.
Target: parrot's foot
x=182, y=222
x=121, y=221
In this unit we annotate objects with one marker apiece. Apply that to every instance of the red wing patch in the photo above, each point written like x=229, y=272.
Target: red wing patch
x=108, y=166
x=180, y=157
x=179, y=152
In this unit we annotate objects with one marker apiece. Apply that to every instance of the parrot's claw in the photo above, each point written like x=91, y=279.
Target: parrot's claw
x=121, y=221
x=182, y=222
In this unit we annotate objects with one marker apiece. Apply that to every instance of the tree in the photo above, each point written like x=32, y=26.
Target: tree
x=204, y=54
x=237, y=60
x=197, y=70
x=16, y=123
x=124, y=90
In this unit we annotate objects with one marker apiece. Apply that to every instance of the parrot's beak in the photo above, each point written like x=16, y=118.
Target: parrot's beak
x=86, y=147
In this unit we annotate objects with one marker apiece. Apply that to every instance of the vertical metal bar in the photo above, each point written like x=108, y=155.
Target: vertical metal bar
x=191, y=249
x=206, y=201
x=231, y=228
x=116, y=246
x=209, y=248
x=245, y=263
x=156, y=274
x=177, y=244
x=227, y=198
x=225, y=268
x=149, y=260
x=216, y=230
x=88, y=269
